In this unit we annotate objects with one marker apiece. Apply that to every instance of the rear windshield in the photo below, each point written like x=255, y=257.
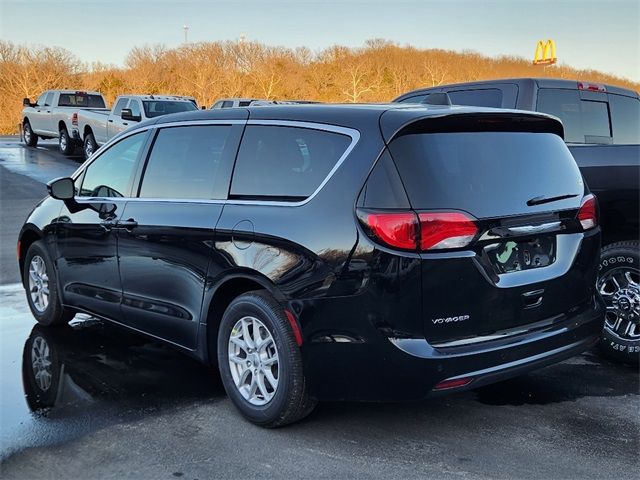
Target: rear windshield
x=487, y=174
x=81, y=100
x=155, y=108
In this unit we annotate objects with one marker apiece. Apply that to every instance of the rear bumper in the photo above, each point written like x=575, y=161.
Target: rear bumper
x=408, y=369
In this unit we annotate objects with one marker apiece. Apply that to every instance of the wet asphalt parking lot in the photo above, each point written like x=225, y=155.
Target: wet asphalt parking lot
x=122, y=406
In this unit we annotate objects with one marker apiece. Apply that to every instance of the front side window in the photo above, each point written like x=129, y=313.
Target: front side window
x=49, y=100
x=188, y=162
x=110, y=174
x=41, y=98
x=120, y=104
x=227, y=104
x=285, y=163
x=584, y=121
x=134, y=105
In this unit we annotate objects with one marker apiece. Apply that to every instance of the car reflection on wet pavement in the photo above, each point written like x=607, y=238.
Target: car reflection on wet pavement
x=84, y=376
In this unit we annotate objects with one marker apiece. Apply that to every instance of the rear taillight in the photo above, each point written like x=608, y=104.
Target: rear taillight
x=396, y=229
x=422, y=231
x=588, y=213
x=74, y=119
x=446, y=230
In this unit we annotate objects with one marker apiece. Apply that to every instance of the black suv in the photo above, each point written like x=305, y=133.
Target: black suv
x=362, y=252
x=602, y=131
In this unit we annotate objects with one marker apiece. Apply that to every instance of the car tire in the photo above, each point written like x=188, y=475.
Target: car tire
x=66, y=143
x=618, y=284
x=257, y=315
x=30, y=138
x=41, y=287
x=41, y=370
x=90, y=146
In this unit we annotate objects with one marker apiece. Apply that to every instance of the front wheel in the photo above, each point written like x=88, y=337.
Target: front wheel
x=40, y=283
x=260, y=363
x=619, y=286
x=65, y=143
x=30, y=138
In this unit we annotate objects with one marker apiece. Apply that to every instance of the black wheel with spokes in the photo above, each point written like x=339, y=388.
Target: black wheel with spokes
x=619, y=286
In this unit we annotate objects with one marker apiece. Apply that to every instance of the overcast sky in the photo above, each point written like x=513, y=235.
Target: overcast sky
x=602, y=35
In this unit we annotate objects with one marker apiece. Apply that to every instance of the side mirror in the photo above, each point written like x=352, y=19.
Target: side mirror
x=26, y=102
x=61, y=188
x=127, y=114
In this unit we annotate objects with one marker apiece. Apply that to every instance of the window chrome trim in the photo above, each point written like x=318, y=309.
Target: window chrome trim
x=350, y=132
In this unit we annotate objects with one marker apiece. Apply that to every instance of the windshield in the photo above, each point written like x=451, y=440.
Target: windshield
x=487, y=174
x=81, y=100
x=155, y=108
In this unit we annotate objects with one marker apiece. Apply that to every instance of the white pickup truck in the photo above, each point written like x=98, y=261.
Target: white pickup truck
x=96, y=128
x=54, y=115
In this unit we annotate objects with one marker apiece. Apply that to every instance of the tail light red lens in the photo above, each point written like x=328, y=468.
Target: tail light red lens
x=396, y=229
x=74, y=119
x=446, y=230
x=423, y=231
x=454, y=383
x=588, y=213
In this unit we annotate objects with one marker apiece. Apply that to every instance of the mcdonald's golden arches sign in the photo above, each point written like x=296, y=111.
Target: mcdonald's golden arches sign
x=545, y=53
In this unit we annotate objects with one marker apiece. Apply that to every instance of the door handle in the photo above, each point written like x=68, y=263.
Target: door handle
x=125, y=123
x=110, y=121
x=129, y=224
x=107, y=225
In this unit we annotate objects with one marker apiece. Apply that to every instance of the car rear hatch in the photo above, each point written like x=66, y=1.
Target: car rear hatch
x=506, y=226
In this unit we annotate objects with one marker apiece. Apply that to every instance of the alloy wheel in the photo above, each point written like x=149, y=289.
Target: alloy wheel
x=39, y=283
x=26, y=131
x=620, y=289
x=41, y=363
x=63, y=141
x=253, y=360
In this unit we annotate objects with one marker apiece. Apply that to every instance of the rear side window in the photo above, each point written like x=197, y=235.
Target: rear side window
x=285, y=163
x=584, y=121
x=487, y=174
x=185, y=162
x=490, y=97
x=156, y=108
x=80, y=100
x=625, y=117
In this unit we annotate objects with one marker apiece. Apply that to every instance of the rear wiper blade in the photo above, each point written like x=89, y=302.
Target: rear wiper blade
x=540, y=200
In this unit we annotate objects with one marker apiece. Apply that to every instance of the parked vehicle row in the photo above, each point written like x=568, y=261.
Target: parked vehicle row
x=329, y=252
x=602, y=131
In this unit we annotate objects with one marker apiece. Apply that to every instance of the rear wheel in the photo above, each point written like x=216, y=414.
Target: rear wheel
x=89, y=146
x=260, y=363
x=65, y=143
x=30, y=138
x=619, y=286
x=40, y=283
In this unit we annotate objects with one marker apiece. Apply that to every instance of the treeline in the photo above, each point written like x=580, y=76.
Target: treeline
x=376, y=72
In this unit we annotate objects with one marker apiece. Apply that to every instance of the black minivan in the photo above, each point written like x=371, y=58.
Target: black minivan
x=329, y=252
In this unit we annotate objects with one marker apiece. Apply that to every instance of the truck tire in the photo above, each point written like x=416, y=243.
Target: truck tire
x=30, y=138
x=618, y=283
x=89, y=146
x=65, y=143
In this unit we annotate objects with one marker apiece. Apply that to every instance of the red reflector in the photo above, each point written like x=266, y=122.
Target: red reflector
x=74, y=119
x=294, y=326
x=588, y=213
x=446, y=230
x=397, y=229
x=454, y=383
x=594, y=87
x=18, y=249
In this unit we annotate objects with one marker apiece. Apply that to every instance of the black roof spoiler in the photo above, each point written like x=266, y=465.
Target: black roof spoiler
x=437, y=98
